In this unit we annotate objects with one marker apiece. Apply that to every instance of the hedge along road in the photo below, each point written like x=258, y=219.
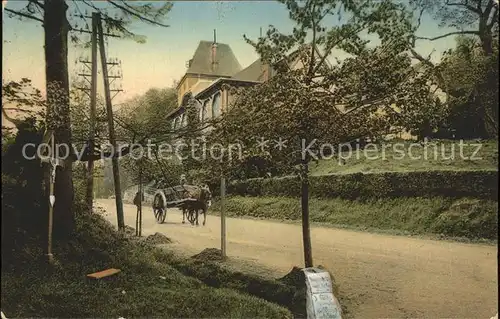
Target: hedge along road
x=379, y=275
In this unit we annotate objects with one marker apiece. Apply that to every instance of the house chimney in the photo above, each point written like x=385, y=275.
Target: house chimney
x=214, y=52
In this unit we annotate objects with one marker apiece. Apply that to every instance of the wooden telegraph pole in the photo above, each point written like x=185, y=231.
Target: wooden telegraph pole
x=93, y=102
x=112, y=138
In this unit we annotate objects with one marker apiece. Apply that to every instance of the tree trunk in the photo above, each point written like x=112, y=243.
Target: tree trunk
x=486, y=42
x=488, y=96
x=56, y=29
x=306, y=231
x=488, y=89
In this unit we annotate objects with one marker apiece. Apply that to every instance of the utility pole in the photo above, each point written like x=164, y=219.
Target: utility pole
x=112, y=138
x=93, y=101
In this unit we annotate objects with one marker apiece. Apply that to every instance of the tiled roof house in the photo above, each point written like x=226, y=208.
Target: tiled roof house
x=212, y=66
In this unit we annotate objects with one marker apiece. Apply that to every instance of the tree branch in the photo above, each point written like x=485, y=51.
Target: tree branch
x=449, y=34
x=22, y=14
x=14, y=121
x=493, y=20
x=332, y=45
x=419, y=21
x=38, y=3
x=488, y=9
x=141, y=17
x=313, y=46
x=467, y=6
x=90, y=4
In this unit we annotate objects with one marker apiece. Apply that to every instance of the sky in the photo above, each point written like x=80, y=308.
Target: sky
x=162, y=59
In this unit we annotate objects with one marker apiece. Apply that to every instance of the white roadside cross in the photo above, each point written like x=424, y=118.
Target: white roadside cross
x=54, y=162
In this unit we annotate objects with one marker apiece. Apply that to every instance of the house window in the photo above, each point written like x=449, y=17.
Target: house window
x=216, y=105
x=204, y=110
x=183, y=119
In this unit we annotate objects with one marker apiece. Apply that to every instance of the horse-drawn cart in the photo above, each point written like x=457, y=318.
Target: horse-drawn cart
x=180, y=196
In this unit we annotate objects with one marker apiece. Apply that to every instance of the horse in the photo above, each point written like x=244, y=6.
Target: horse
x=203, y=197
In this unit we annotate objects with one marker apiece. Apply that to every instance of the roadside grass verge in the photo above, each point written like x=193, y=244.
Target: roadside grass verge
x=288, y=291
x=469, y=219
x=148, y=285
x=388, y=158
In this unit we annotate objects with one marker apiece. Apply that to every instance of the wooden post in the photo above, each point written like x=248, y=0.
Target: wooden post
x=223, y=216
x=306, y=232
x=138, y=202
x=112, y=138
x=93, y=101
x=137, y=214
x=140, y=197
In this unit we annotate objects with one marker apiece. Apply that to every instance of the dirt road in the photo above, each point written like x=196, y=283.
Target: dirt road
x=382, y=276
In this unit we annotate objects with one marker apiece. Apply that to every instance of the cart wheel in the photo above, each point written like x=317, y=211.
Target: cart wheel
x=160, y=215
x=159, y=209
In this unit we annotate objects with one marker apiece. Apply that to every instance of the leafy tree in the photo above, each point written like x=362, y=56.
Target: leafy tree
x=477, y=19
x=53, y=16
x=146, y=115
x=23, y=99
x=469, y=17
x=22, y=177
x=142, y=120
x=321, y=104
x=463, y=69
x=80, y=119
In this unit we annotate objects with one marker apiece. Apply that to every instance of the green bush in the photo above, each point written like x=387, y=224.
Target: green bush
x=453, y=184
x=466, y=217
x=23, y=198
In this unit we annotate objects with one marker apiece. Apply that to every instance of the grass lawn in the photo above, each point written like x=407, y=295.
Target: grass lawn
x=404, y=157
x=456, y=218
x=147, y=286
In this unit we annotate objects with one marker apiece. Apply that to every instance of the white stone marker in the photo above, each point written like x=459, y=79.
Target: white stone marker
x=320, y=301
